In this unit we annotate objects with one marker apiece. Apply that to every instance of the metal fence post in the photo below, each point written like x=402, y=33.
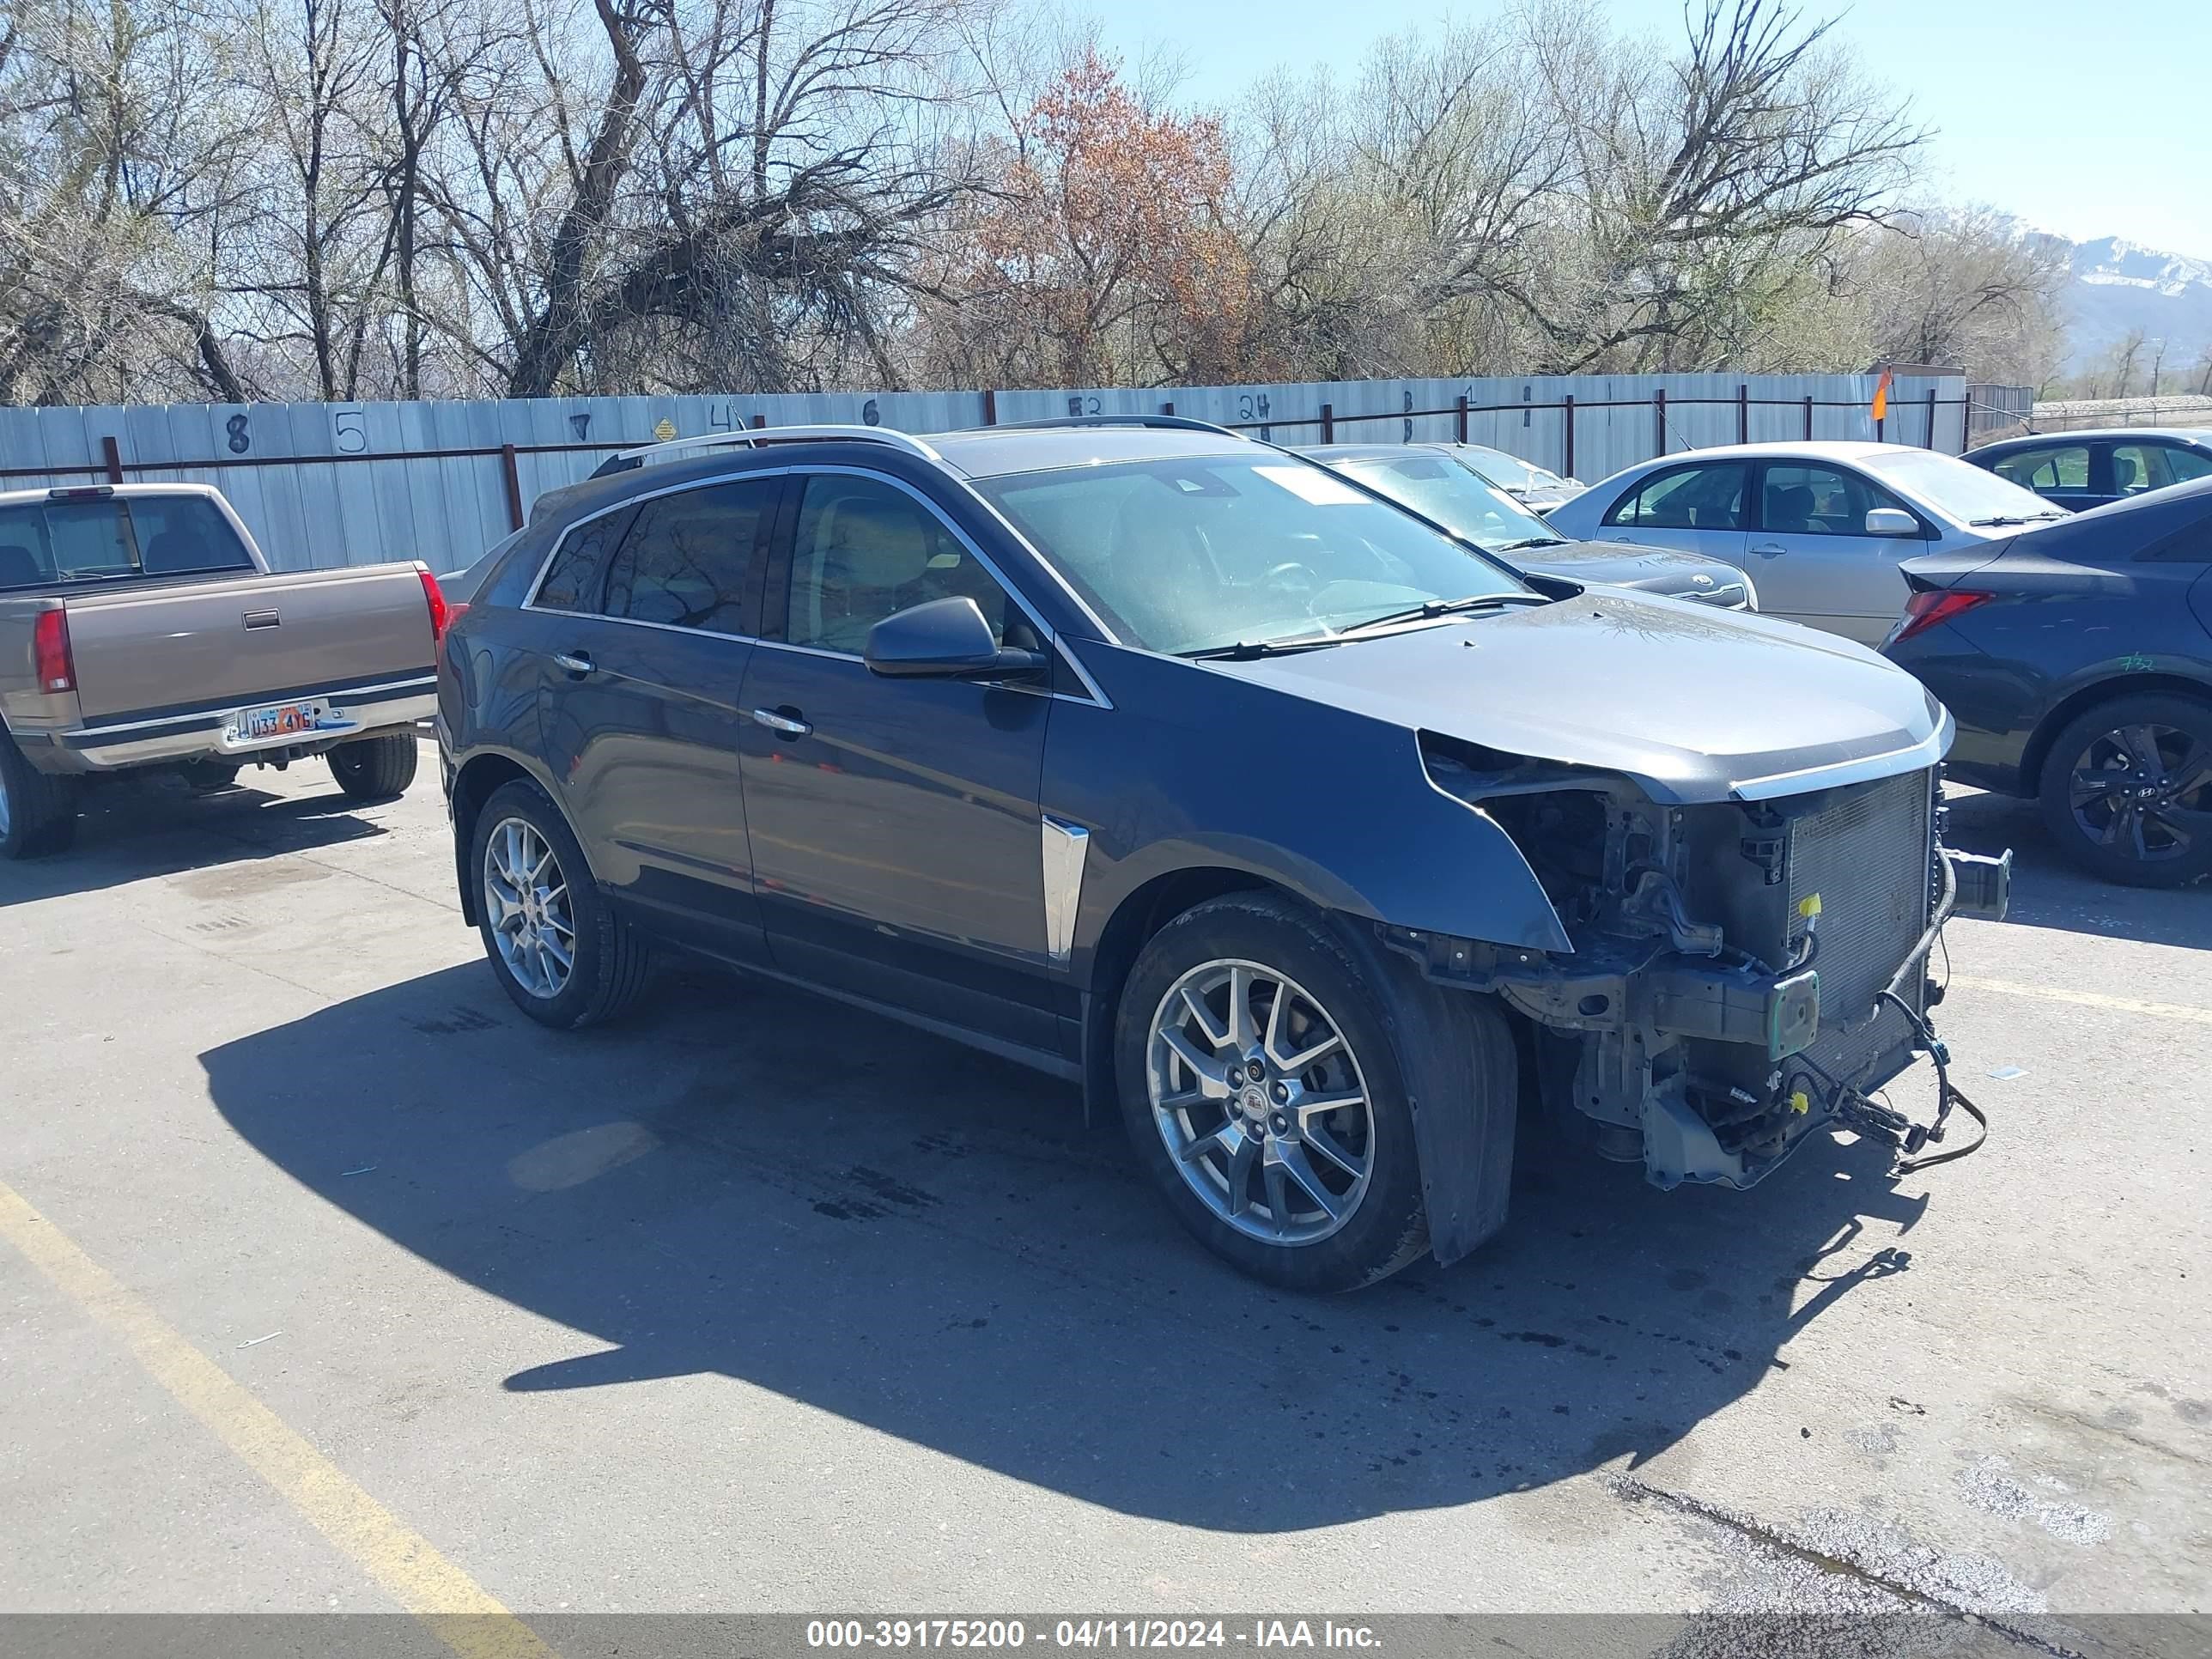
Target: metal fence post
x=515, y=516
x=759, y=420
x=1459, y=425
x=1659, y=421
x=1967, y=420
x=1808, y=417
x=990, y=407
x=1567, y=421
x=1167, y=408
x=1931, y=417
x=1742, y=413
x=114, y=455
x=1328, y=423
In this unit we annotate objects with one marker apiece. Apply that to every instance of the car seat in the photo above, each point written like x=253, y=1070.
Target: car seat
x=870, y=550
x=1790, y=508
x=19, y=566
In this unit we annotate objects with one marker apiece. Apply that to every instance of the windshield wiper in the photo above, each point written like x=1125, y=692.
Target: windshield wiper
x=1248, y=650
x=1429, y=610
x=1531, y=541
x=2032, y=518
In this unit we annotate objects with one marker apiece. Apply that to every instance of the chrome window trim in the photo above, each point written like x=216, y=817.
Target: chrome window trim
x=545, y=565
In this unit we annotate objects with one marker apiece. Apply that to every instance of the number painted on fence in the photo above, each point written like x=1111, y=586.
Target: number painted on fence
x=240, y=439
x=722, y=417
x=580, y=424
x=348, y=431
x=1251, y=406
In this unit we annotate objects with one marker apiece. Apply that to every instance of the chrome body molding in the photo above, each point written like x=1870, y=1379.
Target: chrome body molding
x=1065, y=846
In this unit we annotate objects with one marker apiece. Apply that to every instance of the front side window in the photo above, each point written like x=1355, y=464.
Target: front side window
x=107, y=536
x=1200, y=552
x=2045, y=469
x=864, y=549
x=1797, y=500
x=1685, y=498
x=689, y=559
x=1454, y=497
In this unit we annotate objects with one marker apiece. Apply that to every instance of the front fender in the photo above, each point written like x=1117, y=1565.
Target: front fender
x=1184, y=773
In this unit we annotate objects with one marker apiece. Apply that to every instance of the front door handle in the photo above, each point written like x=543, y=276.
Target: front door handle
x=782, y=724
x=1768, y=550
x=575, y=662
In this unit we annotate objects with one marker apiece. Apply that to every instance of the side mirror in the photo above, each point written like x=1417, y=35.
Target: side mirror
x=1891, y=521
x=944, y=640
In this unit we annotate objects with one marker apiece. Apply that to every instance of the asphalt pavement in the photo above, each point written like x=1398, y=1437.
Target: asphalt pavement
x=328, y=1282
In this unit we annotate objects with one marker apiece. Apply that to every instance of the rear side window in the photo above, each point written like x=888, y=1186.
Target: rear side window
x=689, y=559
x=102, y=539
x=2066, y=467
x=571, y=581
x=1685, y=498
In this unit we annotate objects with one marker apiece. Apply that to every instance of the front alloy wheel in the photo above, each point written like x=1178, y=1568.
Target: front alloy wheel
x=1260, y=1102
x=526, y=904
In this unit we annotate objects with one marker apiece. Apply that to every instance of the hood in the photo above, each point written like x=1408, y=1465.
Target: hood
x=1693, y=705
x=1617, y=564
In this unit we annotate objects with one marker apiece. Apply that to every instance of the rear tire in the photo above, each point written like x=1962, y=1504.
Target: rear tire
x=38, y=812
x=2126, y=790
x=1188, y=1122
x=375, y=769
x=536, y=902
x=207, y=777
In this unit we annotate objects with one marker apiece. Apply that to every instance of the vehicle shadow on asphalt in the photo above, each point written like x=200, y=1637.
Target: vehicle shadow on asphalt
x=136, y=829
x=2048, y=892
x=931, y=1243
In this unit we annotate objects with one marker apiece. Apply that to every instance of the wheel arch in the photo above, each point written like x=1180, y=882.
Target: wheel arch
x=2079, y=701
x=474, y=783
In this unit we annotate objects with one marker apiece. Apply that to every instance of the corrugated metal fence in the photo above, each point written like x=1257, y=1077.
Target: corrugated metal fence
x=324, y=485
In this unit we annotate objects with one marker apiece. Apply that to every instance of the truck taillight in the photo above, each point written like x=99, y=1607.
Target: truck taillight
x=50, y=652
x=439, y=614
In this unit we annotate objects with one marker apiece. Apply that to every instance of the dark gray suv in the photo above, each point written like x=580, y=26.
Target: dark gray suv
x=1174, y=764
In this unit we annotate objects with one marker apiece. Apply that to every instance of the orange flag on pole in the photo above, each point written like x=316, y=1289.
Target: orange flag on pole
x=1882, y=396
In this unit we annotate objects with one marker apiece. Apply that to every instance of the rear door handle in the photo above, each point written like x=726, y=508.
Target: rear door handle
x=782, y=724
x=575, y=662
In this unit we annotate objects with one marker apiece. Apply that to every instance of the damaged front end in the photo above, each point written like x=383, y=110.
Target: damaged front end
x=1742, y=971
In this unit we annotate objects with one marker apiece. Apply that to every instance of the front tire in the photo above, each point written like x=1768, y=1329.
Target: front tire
x=2126, y=790
x=375, y=769
x=559, y=949
x=1263, y=1080
x=38, y=812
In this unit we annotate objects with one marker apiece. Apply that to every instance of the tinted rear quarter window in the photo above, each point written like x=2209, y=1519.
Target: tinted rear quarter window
x=572, y=581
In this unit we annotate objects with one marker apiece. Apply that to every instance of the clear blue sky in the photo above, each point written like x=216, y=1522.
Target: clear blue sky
x=2089, y=118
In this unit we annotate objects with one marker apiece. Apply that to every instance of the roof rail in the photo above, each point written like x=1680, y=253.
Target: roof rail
x=1177, y=422
x=753, y=436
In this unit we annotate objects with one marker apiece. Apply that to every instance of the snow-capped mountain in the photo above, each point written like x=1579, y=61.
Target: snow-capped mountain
x=2119, y=285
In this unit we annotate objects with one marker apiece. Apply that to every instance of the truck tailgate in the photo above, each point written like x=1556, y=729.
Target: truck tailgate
x=253, y=639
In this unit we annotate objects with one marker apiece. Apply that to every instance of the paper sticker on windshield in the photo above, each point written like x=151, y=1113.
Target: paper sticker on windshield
x=1313, y=483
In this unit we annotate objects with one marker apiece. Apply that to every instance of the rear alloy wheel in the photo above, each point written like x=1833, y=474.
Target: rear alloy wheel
x=2127, y=790
x=559, y=950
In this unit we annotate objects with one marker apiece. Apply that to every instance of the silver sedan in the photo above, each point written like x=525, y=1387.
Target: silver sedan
x=1820, y=526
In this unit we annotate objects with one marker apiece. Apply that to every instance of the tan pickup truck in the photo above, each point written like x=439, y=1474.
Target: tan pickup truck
x=140, y=627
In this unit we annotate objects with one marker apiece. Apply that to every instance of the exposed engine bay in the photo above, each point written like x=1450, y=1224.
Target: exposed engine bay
x=1742, y=972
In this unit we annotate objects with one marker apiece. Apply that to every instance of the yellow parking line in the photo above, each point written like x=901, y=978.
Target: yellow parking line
x=2085, y=998
x=404, y=1565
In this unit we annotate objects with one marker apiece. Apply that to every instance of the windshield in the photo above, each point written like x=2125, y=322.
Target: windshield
x=65, y=539
x=1456, y=498
x=1966, y=493
x=1511, y=472
x=1197, y=554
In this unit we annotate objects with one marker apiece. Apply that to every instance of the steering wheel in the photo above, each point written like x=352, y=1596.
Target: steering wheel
x=1309, y=581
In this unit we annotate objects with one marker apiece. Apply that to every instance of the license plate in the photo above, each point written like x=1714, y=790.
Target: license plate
x=276, y=719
